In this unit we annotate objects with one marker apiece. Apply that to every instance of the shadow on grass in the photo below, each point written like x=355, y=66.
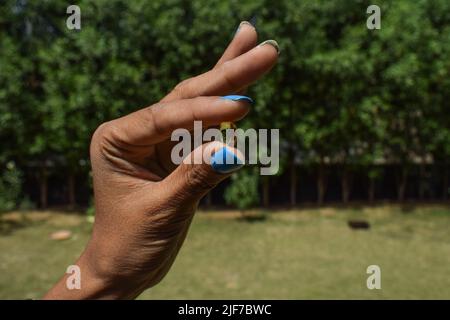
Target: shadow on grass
x=8, y=226
x=358, y=224
x=407, y=208
x=253, y=217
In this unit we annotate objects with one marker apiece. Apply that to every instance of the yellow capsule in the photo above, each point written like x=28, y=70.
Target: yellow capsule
x=223, y=129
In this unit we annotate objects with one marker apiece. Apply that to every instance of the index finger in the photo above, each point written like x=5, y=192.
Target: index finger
x=156, y=123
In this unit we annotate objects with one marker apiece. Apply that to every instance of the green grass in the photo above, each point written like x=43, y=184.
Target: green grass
x=306, y=254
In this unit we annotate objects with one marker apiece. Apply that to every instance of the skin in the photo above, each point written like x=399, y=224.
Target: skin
x=144, y=204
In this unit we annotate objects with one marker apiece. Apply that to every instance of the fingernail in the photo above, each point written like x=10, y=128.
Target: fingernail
x=225, y=161
x=241, y=24
x=273, y=43
x=235, y=97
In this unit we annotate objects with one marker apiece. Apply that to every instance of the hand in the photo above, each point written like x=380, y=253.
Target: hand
x=144, y=204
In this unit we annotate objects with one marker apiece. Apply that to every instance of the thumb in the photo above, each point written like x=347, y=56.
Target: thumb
x=202, y=170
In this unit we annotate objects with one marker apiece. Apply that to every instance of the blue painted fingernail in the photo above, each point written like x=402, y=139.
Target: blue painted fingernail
x=235, y=97
x=225, y=161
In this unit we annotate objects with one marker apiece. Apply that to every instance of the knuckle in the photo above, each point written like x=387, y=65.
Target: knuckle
x=104, y=137
x=182, y=88
x=153, y=112
x=198, y=180
x=230, y=83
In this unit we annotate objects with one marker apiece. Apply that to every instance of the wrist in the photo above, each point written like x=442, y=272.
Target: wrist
x=92, y=284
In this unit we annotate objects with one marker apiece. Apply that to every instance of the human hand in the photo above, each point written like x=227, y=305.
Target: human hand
x=144, y=203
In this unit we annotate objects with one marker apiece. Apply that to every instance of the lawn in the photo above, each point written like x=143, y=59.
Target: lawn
x=302, y=254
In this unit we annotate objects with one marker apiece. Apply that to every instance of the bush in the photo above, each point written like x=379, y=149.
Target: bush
x=26, y=204
x=10, y=186
x=243, y=191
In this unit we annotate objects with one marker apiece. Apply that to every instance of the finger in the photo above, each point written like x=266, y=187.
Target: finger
x=201, y=171
x=244, y=39
x=156, y=123
x=232, y=76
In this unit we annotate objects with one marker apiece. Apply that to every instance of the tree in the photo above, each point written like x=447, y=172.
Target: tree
x=243, y=191
x=342, y=96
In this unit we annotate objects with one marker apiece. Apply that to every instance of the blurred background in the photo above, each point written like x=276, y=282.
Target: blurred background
x=364, y=127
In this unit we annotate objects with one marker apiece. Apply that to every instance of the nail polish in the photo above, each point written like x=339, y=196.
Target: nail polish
x=231, y=141
x=225, y=161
